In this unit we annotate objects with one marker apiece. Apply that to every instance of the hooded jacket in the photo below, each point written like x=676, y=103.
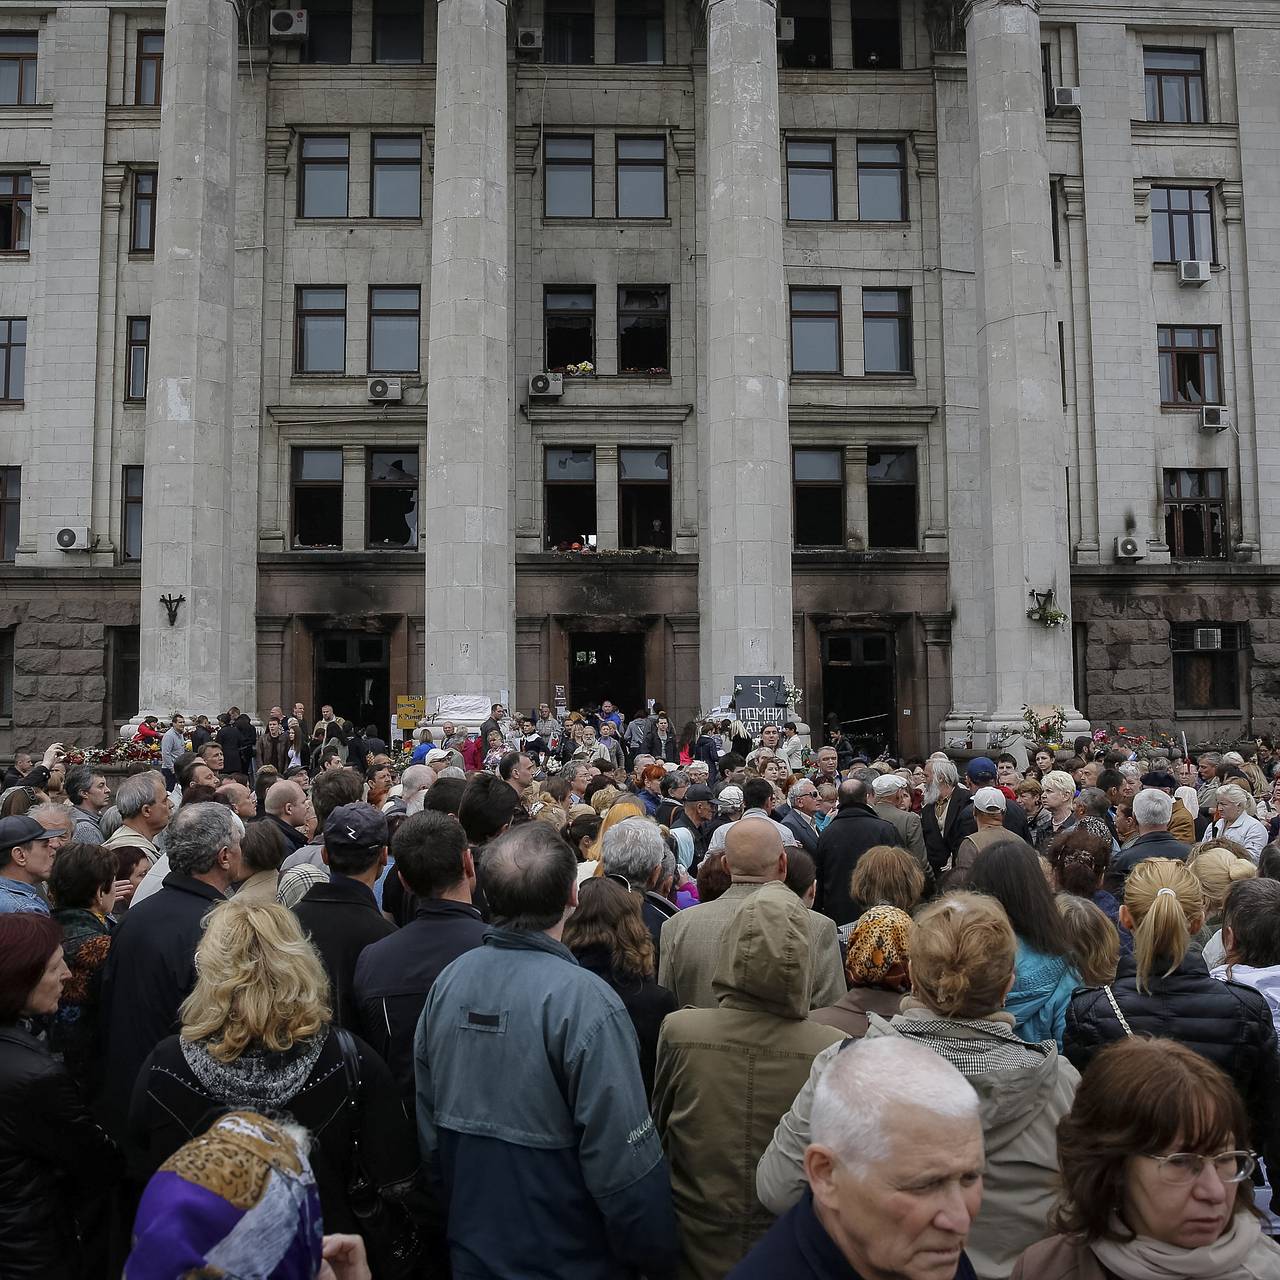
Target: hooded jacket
x=735, y=1069
x=1042, y=988
x=1266, y=981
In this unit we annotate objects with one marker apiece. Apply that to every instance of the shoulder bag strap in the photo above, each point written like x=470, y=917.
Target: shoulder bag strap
x=1128, y=1030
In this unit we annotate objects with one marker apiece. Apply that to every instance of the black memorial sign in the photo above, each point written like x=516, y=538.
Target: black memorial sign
x=760, y=700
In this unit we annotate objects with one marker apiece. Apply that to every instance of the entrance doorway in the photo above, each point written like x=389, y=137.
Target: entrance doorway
x=858, y=688
x=606, y=664
x=353, y=676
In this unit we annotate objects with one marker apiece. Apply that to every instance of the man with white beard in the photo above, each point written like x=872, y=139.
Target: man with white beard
x=945, y=802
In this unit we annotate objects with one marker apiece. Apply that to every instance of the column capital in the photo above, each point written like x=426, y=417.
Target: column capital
x=1232, y=194
x=708, y=5
x=970, y=7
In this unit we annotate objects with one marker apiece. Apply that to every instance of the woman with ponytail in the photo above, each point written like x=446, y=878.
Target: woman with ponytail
x=1164, y=989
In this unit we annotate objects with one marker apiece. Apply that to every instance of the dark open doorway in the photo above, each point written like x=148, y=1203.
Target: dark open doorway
x=858, y=688
x=607, y=664
x=353, y=676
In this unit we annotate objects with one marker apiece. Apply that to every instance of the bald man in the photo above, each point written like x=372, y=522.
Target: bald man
x=691, y=940
x=239, y=799
x=289, y=810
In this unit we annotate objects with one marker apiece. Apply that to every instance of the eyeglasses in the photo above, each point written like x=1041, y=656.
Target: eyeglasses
x=1184, y=1167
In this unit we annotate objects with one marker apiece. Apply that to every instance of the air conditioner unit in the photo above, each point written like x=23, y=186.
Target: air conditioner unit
x=384, y=389
x=546, y=384
x=1214, y=417
x=786, y=31
x=1193, y=272
x=1066, y=98
x=529, y=39
x=1207, y=638
x=73, y=539
x=288, y=24
x=1129, y=549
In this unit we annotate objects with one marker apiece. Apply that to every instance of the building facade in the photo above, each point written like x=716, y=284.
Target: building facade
x=864, y=333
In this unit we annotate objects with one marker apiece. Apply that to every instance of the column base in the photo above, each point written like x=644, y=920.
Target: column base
x=991, y=732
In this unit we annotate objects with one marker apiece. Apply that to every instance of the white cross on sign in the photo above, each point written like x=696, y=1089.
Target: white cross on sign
x=761, y=688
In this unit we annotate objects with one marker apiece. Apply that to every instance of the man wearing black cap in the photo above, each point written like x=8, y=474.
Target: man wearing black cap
x=26, y=858
x=342, y=914
x=699, y=809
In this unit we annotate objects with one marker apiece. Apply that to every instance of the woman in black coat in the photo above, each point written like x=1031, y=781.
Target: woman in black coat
x=57, y=1168
x=260, y=981
x=1164, y=989
x=607, y=935
x=661, y=743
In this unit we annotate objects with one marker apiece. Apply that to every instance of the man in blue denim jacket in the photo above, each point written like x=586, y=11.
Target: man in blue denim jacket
x=532, y=1116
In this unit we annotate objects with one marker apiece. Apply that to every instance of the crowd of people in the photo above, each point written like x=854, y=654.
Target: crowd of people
x=581, y=998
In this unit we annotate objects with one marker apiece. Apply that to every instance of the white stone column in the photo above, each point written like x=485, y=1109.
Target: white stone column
x=192, y=526
x=745, y=571
x=469, y=564
x=1023, y=534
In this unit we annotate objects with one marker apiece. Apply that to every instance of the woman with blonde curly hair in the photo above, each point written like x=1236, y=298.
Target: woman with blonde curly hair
x=1217, y=864
x=257, y=1035
x=619, y=812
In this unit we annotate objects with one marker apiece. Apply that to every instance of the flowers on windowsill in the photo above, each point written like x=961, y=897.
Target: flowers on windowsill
x=655, y=372
x=583, y=369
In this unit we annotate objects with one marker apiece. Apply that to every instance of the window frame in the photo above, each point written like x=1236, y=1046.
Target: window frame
x=1173, y=351
x=370, y=484
x=913, y=486
x=148, y=200
x=905, y=330
x=1235, y=645
x=1175, y=504
x=881, y=166
x=625, y=543
x=814, y=166
x=143, y=59
x=641, y=10
x=318, y=14
x=622, y=312
x=19, y=200
x=303, y=313
x=393, y=162
x=10, y=501
x=560, y=162
x=1185, y=76
x=295, y=484
x=128, y=502
x=375, y=312
x=837, y=315
x=842, y=484
x=132, y=346
x=860, y=60
x=620, y=162
x=1169, y=217
x=412, y=10
x=548, y=290
x=322, y=162
x=7, y=346
x=28, y=68
x=548, y=483
x=549, y=12
x=6, y=673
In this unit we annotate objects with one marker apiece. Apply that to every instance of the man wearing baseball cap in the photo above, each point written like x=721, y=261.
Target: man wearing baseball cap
x=989, y=807
x=699, y=809
x=981, y=772
x=26, y=858
x=342, y=915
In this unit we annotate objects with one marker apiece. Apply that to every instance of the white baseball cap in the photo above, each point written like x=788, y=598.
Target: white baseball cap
x=990, y=800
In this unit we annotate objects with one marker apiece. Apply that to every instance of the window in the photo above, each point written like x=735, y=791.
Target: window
x=1206, y=665
x=1181, y=224
x=125, y=666
x=818, y=498
x=877, y=35
x=812, y=45
x=1175, y=85
x=1053, y=219
x=13, y=360
x=815, y=331
x=150, y=74
x=570, y=318
x=6, y=675
x=317, y=498
x=322, y=182
x=137, y=349
x=642, y=178
x=886, y=330
x=320, y=336
x=1046, y=78
x=397, y=177
x=10, y=510
x=328, y=32
x=644, y=498
x=891, y=498
x=569, y=499
x=811, y=179
x=1195, y=514
x=639, y=34
x=131, y=515
x=397, y=31
x=393, y=329
x=567, y=177
x=882, y=182
x=142, y=228
x=1189, y=366
x=15, y=212
x=18, y=68
x=644, y=329
x=391, y=499
x=570, y=31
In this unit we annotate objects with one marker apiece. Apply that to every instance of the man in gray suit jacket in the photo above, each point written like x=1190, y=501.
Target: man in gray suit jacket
x=893, y=804
x=691, y=939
